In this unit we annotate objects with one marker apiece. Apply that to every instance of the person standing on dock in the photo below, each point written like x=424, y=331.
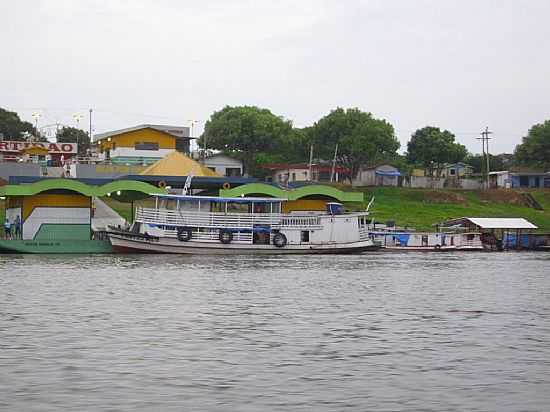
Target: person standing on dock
x=18, y=227
x=7, y=229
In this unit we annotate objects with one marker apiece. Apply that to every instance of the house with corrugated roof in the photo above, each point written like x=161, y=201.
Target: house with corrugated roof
x=143, y=144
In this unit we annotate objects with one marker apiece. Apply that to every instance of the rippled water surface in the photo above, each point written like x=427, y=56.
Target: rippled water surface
x=380, y=331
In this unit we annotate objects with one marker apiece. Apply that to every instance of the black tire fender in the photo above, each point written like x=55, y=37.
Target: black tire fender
x=184, y=234
x=225, y=236
x=279, y=240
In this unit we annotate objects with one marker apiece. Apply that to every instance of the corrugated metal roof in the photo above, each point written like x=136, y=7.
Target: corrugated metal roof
x=180, y=132
x=501, y=223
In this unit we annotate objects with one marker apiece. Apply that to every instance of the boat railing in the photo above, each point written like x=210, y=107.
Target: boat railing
x=363, y=233
x=187, y=218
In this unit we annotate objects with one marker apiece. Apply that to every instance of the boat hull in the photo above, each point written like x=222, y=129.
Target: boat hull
x=55, y=246
x=432, y=248
x=124, y=244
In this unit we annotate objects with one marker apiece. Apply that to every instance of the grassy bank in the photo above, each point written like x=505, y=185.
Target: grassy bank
x=421, y=208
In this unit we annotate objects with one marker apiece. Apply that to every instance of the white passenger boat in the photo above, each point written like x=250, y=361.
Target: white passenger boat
x=217, y=225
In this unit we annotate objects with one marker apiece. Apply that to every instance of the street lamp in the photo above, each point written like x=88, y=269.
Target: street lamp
x=77, y=118
x=36, y=116
x=192, y=124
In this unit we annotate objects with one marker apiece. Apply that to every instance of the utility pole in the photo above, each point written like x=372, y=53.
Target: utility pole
x=334, y=163
x=90, y=132
x=310, y=162
x=485, y=168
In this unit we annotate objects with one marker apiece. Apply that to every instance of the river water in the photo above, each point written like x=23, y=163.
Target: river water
x=377, y=332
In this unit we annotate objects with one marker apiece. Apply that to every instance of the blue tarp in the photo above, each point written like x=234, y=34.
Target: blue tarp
x=381, y=173
x=403, y=238
x=511, y=241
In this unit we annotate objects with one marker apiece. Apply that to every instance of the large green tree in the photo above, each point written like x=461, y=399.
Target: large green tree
x=478, y=162
x=245, y=132
x=73, y=135
x=12, y=127
x=535, y=147
x=361, y=138
x=431, y=148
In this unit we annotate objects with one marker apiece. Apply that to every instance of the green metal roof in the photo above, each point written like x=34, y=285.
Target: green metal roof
x=293, y=194
x=31, y=189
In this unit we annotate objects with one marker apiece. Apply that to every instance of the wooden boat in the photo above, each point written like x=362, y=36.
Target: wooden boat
x=188, y=224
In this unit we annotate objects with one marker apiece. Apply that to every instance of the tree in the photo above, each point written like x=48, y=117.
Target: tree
x=73, y=135
x=361, y=138
x=11, y=126
x=535, y=147
x=478, y=162
x=432, y=148
x=245, y=131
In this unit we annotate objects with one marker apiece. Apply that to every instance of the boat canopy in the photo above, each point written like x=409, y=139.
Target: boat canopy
x=503, y=223
x=222, y=199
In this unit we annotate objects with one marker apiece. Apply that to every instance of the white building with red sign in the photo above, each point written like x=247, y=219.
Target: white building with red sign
x=37, y=151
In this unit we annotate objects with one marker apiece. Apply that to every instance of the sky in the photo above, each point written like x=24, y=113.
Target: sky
x=458, y=65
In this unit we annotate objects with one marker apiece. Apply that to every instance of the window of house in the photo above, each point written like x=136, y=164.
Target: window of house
x=146, y=146
x=524, y=181
x=452, y=172
x=232, y=172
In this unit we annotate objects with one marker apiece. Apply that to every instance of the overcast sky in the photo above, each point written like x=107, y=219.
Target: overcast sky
x=459, y=65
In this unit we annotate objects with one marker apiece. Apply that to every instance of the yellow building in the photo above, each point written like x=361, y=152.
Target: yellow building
x=144, y=144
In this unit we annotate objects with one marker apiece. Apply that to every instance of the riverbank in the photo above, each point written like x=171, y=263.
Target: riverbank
x=421, y=208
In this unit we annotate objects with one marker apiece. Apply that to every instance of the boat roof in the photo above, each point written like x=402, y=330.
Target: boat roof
x=223, y=199
x=495, y=223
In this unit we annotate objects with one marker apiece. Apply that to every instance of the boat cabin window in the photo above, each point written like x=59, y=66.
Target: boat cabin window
x=170, y=204
x=305, y=236
x=237, y=207
x=193, y=205
x=259, y=208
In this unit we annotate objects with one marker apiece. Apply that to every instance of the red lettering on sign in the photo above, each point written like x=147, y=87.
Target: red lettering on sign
x=9, y=146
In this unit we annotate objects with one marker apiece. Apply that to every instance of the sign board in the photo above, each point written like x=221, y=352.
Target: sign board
x=67, y=148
